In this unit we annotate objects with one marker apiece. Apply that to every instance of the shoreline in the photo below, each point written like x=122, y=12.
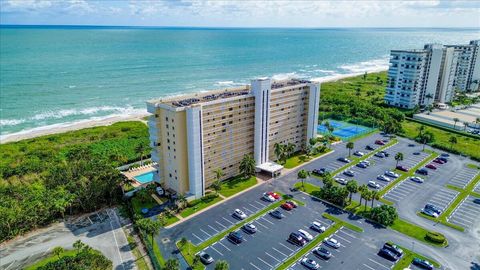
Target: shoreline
x=109, y=120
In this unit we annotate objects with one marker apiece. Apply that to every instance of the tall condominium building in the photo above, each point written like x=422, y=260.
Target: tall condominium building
x=421, y=77
x=192, y=136
x=467, y=77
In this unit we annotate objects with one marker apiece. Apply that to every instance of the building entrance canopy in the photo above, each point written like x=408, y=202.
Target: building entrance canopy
x=270, y=167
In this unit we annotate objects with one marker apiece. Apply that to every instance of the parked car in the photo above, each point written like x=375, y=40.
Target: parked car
x=362, y=165
x=205, y=258
x=439, y=161
x=310, y=264
x=444, y=159
x=296, y=239
x=349, y=173
x=411, y=145
x=305, y=235
x=292, y=203
x=249, y=228
x=477, y=201
x=423, y=263
x=383, y=178
x=345, y=160
x=385, y=153
x=416, y=153
x=239, y=214
x=372, y=184
x=287, y=206
x=431, y=166
x=341, y=181
x=402, y=168
x=380, y=154
x=316, y=226
x=366, y=162
x=358, y=154
x=430, y=213
x=444, y=155
x=379, y=142
x=387, y=254
x=322, y=253
x=391, y=174
x=235, y=237
x=368, y=147
x=394, y=249
x=277, y=214
x=332, y=242
x=422, y=171
x=321, y=171
x=417, y=179
x=433, y=208
x=274, y=195
x=268, y=198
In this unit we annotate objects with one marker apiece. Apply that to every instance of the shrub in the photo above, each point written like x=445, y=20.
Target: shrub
x=435, y=237
x=193, y=203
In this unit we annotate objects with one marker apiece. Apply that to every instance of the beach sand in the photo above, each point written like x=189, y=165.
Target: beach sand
x=65, y=127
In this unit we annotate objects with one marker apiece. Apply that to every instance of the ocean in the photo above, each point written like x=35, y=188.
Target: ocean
x=55, y=76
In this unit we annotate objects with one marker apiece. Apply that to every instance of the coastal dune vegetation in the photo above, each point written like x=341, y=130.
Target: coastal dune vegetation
x=45, y=178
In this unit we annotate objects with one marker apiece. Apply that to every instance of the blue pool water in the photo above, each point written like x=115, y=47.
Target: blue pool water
x=144, y=178
x=344, y=130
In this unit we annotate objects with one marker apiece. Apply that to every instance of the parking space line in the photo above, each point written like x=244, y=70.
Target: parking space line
x=286, y=247
x=220, y=242
x=221, y=254
x=369, y=267
x=263, y=218
x=197, y=237
x=338, y=236
x=231, y=223
x=205, y=232
x=256, y=208
x=352, y=236
x=255, y=266
x=213, y=228
x=248, y=210
x=265, y=262
x=378, y=263
x=263, y=205
x=280, y=252
x=261, y=224
x=272, y=257
x=220, y=224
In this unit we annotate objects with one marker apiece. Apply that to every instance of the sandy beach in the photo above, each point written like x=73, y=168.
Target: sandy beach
x=65, y=127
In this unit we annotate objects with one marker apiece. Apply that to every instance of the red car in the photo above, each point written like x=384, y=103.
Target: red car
x=292, y=203
x=379, y=142
x=431, y=166
x=439, y=161
x=274, y=195
x=402, y=168
x=287, y=206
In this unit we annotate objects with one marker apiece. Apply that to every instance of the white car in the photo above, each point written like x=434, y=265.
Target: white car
x=349, y=173
x=359, y=154
x=391, y=174
x=383, y=178
x=316, y=226
x=310, y=264
x=239, y=214
x=332, y=242
x=268, y=198
x=341, y=181
x=417, y=179
x=365, y=162
x=372, y=184
x=305, y=235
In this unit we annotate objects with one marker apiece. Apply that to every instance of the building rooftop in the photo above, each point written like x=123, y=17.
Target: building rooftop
x=196, y=98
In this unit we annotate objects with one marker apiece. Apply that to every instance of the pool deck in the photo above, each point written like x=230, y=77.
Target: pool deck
x=130, y=174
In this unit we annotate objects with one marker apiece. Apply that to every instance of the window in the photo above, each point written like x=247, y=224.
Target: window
x=166, y=119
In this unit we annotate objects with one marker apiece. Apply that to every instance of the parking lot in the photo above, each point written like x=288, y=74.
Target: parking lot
x=464, y=177
x=353, y=253
x=443, y=198
x=467, y=213
x=401, y=190
x=268, y=247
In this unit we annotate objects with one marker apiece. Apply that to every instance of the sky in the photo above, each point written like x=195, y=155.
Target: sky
x=246, y=13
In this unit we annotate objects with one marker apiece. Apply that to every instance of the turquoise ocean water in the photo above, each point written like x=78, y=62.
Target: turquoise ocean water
x=52, y=76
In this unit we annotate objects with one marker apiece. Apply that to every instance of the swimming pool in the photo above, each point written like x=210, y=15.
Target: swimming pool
x=344, y=130
x=144, y=177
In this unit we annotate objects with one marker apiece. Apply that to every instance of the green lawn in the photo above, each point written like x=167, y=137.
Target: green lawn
x=140, y=261
x=138, y=205
x=50, y=258
x=170, y=219
x=295, y=160
x=156, y=251
x=236, y=184
x=466, y=145
x=408, y=257
x=201, y=205
x=307, y=187
x=414, y=231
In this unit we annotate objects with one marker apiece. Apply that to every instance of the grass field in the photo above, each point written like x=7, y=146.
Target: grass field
x=296, y=159
x=201, y=205
x=414, y=231
x=236, y=184
x=50, y=258
x=465, y=145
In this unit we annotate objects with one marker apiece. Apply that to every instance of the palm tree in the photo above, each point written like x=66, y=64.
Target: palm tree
x=398, y=157
x=290, y=149
x=279, y=151
x=374, y=196
x=362, y=189
x=57, y=251
x=247, y=166
x=350, y=146
x=465, y=125
x=366, y=195
x=426, y=137
x=428, y=97
x=218, y=174
x=142, y=150
x=455, y=120
x=352, y=188
x=302, y=175
x=222, y=265
x=78, y=245
x=452, y=140
x=216, y=185
x=183, y=242
x=150, y=226
x=172, y=264
x=182, y=200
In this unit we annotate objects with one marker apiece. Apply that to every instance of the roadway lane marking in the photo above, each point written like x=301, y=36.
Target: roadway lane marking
x=213, y=228
x=265, y=262
x=286, y=247
x=378, y=263
x=201, y=240
x=221, y=254
x=255, y=266
x=205, y=232
x=224, y=246
x=280, y=252
x=220, y=224
x=272, y=257
x=231, y=223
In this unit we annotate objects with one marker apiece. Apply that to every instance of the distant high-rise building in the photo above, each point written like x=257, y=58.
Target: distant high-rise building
x=193, y=136
x=431, y=75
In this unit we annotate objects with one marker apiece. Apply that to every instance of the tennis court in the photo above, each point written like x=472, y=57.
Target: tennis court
x=344, y=130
